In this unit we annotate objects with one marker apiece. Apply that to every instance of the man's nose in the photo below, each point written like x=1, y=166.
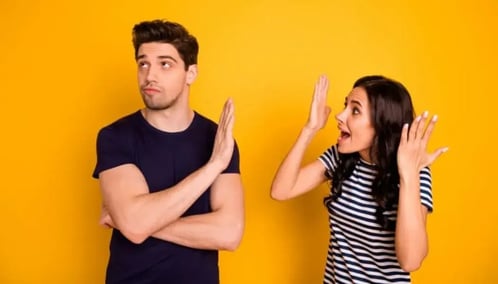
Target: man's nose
x=151, y=74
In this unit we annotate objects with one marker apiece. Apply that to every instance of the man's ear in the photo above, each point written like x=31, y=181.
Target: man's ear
x=191, y=74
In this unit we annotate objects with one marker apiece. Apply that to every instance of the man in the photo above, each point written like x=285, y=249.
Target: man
x=169, y=177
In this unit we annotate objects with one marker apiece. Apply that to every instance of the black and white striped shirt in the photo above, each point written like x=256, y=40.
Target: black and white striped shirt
x=359, y=250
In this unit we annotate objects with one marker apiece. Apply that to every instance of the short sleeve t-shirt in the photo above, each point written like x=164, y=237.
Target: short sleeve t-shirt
x=360, y=251
x=164, y=159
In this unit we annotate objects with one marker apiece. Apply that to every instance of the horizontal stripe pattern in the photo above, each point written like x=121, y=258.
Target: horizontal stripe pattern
x=359, y=250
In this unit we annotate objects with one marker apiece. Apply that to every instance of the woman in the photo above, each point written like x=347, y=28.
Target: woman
x=380, y=181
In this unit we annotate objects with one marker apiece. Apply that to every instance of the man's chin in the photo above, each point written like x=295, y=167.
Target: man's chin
x=155, y=106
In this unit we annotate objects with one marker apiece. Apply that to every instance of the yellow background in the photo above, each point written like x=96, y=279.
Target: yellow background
x=67, y=69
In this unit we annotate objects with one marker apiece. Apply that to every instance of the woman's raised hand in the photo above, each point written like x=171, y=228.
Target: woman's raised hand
x=412, y=150
x=319, y=111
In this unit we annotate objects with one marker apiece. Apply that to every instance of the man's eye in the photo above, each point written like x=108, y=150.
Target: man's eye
x=166, y=65
x=143, y=64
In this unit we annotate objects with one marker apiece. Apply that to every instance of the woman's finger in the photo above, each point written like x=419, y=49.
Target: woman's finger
x=421, y=125
x=428, y=131
x=432, y=157
x=413, y=128
x=404, y=134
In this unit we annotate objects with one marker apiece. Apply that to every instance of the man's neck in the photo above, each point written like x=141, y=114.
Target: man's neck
x=169, y=120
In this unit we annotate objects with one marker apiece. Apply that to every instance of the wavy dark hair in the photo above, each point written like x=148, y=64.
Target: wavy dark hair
x=390, y=108
x=167, y=32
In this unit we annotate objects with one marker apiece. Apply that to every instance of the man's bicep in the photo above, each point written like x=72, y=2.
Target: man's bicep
x=227, y=196
x=119, y=186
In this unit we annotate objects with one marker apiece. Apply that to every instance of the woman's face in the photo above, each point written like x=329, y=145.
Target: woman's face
x=355, y=125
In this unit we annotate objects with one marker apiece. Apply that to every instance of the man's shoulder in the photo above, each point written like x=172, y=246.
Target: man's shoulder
x=123, y=124
x=203, y=122
x=204, y=119
x=124, y=121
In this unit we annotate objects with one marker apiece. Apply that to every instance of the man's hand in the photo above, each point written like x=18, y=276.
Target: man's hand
x=105, y=219
x=224, y=142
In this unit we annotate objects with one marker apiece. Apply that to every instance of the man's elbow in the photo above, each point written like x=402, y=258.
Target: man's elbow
x=134, y=237
x=233, y=237
x=133, y=232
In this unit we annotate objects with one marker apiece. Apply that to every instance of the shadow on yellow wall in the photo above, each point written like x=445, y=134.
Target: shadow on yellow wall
x=67, y=69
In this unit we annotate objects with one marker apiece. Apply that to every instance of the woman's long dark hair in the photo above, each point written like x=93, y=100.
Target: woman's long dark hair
x=390, y=108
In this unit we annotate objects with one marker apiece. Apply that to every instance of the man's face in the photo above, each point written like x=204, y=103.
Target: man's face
x=162, y=78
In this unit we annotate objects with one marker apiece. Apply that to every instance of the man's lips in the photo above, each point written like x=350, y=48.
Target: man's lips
x=150, y=90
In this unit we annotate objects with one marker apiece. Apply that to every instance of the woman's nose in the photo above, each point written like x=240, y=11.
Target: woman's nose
x=340, y=117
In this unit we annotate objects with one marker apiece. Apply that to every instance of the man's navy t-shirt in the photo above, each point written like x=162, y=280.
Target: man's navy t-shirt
x=164, y=159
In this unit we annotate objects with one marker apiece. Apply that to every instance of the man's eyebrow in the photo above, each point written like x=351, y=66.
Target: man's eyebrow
x=160, y=57
x=167, y=57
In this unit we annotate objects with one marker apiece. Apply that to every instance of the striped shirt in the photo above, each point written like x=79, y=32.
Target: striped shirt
x=359, y=250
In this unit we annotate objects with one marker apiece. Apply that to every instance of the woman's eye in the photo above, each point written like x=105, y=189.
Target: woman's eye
x=356, y=111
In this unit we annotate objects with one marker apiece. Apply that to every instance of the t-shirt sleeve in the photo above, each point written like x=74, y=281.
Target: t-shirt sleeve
x=330, y=158
x=426, y=188
x=233, y=166
x=113, y=150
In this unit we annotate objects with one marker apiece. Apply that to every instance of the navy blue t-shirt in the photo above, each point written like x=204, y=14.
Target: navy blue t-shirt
x=164, y=159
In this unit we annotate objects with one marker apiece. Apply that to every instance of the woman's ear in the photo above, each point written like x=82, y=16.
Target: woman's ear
x=191, y=74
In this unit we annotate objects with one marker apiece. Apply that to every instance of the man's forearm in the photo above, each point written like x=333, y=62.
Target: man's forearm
x=140, y=214
x=204, y=231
